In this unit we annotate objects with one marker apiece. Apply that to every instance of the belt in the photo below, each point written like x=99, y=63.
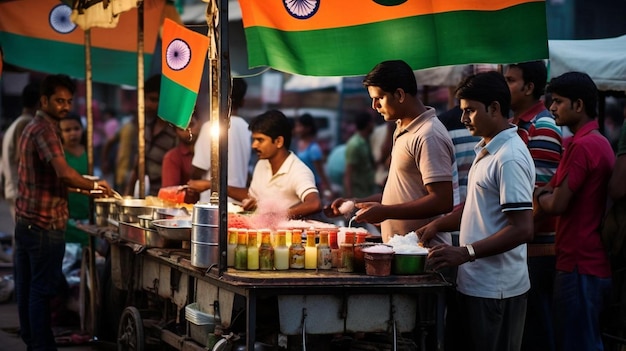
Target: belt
x=535, y=250
x=28, y=223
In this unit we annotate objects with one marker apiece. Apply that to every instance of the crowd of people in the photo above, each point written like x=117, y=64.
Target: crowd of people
x=507, y=189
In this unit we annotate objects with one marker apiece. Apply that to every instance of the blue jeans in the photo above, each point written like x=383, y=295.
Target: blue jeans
x=538, y=329
x=578, y=301
x=38, y=261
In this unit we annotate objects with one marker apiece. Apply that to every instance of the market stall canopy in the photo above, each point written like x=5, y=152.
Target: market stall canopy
x=604, y=60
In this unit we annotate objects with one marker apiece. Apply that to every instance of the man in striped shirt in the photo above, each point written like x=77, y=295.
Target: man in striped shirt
x=538, y=129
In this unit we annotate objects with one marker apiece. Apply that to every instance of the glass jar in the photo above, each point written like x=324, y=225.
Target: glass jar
x=347, y=258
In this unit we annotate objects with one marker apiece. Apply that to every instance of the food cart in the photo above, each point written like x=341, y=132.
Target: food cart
x=163, y=286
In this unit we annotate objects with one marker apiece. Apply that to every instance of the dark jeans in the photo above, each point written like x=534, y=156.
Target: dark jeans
x=538, y=330
x=38, y=260
x=492, y=324
x=578, y=302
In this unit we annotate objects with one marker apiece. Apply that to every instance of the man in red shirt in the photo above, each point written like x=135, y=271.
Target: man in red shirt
x=538, y=129
x=41, y=211
x=578, y=194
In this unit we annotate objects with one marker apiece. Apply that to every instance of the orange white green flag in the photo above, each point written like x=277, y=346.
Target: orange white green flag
x=344, y=38
x=39, y=35
x=183, y=56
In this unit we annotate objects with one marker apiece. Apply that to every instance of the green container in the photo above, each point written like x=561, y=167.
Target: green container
x=408, y=264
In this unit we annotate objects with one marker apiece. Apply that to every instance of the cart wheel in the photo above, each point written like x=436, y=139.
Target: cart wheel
x=130, y=334
x=88, y=295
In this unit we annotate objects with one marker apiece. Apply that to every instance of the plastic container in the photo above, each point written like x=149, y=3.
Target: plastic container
x=378, y=260
x=201, y=324
x=378, y=264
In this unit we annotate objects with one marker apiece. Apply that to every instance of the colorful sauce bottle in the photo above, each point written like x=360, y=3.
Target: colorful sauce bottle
x=241, y=251
x=281, y=251
x=253, y=251
x=310, y=251
x=266, y=252
x=324, y=258
x=296, y=250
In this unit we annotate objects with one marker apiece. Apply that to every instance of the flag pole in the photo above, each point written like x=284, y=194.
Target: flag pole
x=141, y=119
x=219, y=90
x=88, y=102
x=90, y=170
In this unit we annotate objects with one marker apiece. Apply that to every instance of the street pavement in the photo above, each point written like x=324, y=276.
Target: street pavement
x=9, y=321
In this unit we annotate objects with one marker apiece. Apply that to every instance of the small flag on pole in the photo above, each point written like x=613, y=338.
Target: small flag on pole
x=184, y=55
x=348, y=38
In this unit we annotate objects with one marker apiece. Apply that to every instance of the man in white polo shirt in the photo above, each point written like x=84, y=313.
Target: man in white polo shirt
x=495, y=223
x=279, y=176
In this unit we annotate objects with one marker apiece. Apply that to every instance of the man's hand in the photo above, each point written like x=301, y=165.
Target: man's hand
x=249, y=204
x=426, y=233
x=444, y=255
x=370, y=212
x=199, y=185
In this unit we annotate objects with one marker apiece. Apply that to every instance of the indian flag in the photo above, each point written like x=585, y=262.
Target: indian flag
x=184, y=55
x=39, y=35
x=344, y=38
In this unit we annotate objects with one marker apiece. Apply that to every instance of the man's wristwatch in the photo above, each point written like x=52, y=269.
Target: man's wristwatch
x=471, y=252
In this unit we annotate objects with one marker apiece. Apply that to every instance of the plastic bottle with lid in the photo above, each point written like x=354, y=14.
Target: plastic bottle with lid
x=296, y=250
x=253, y=251
x=310, y=251
x=335, y=252
x=266, y=252
x=230, y=248
x=324, y=258
x=241, y=251
x=281, y=251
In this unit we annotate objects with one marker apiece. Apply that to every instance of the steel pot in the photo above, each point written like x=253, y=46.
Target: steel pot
x=104, y=209
x=131, y=209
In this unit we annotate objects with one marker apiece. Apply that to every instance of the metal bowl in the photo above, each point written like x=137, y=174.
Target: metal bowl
x=171, y=213
x=173, y=229
x=131, y=209
x=145, y=221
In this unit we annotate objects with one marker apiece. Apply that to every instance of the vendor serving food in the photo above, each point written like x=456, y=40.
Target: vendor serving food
x=280, y=179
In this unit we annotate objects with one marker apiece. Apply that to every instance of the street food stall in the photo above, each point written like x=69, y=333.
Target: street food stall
x=170, y=290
